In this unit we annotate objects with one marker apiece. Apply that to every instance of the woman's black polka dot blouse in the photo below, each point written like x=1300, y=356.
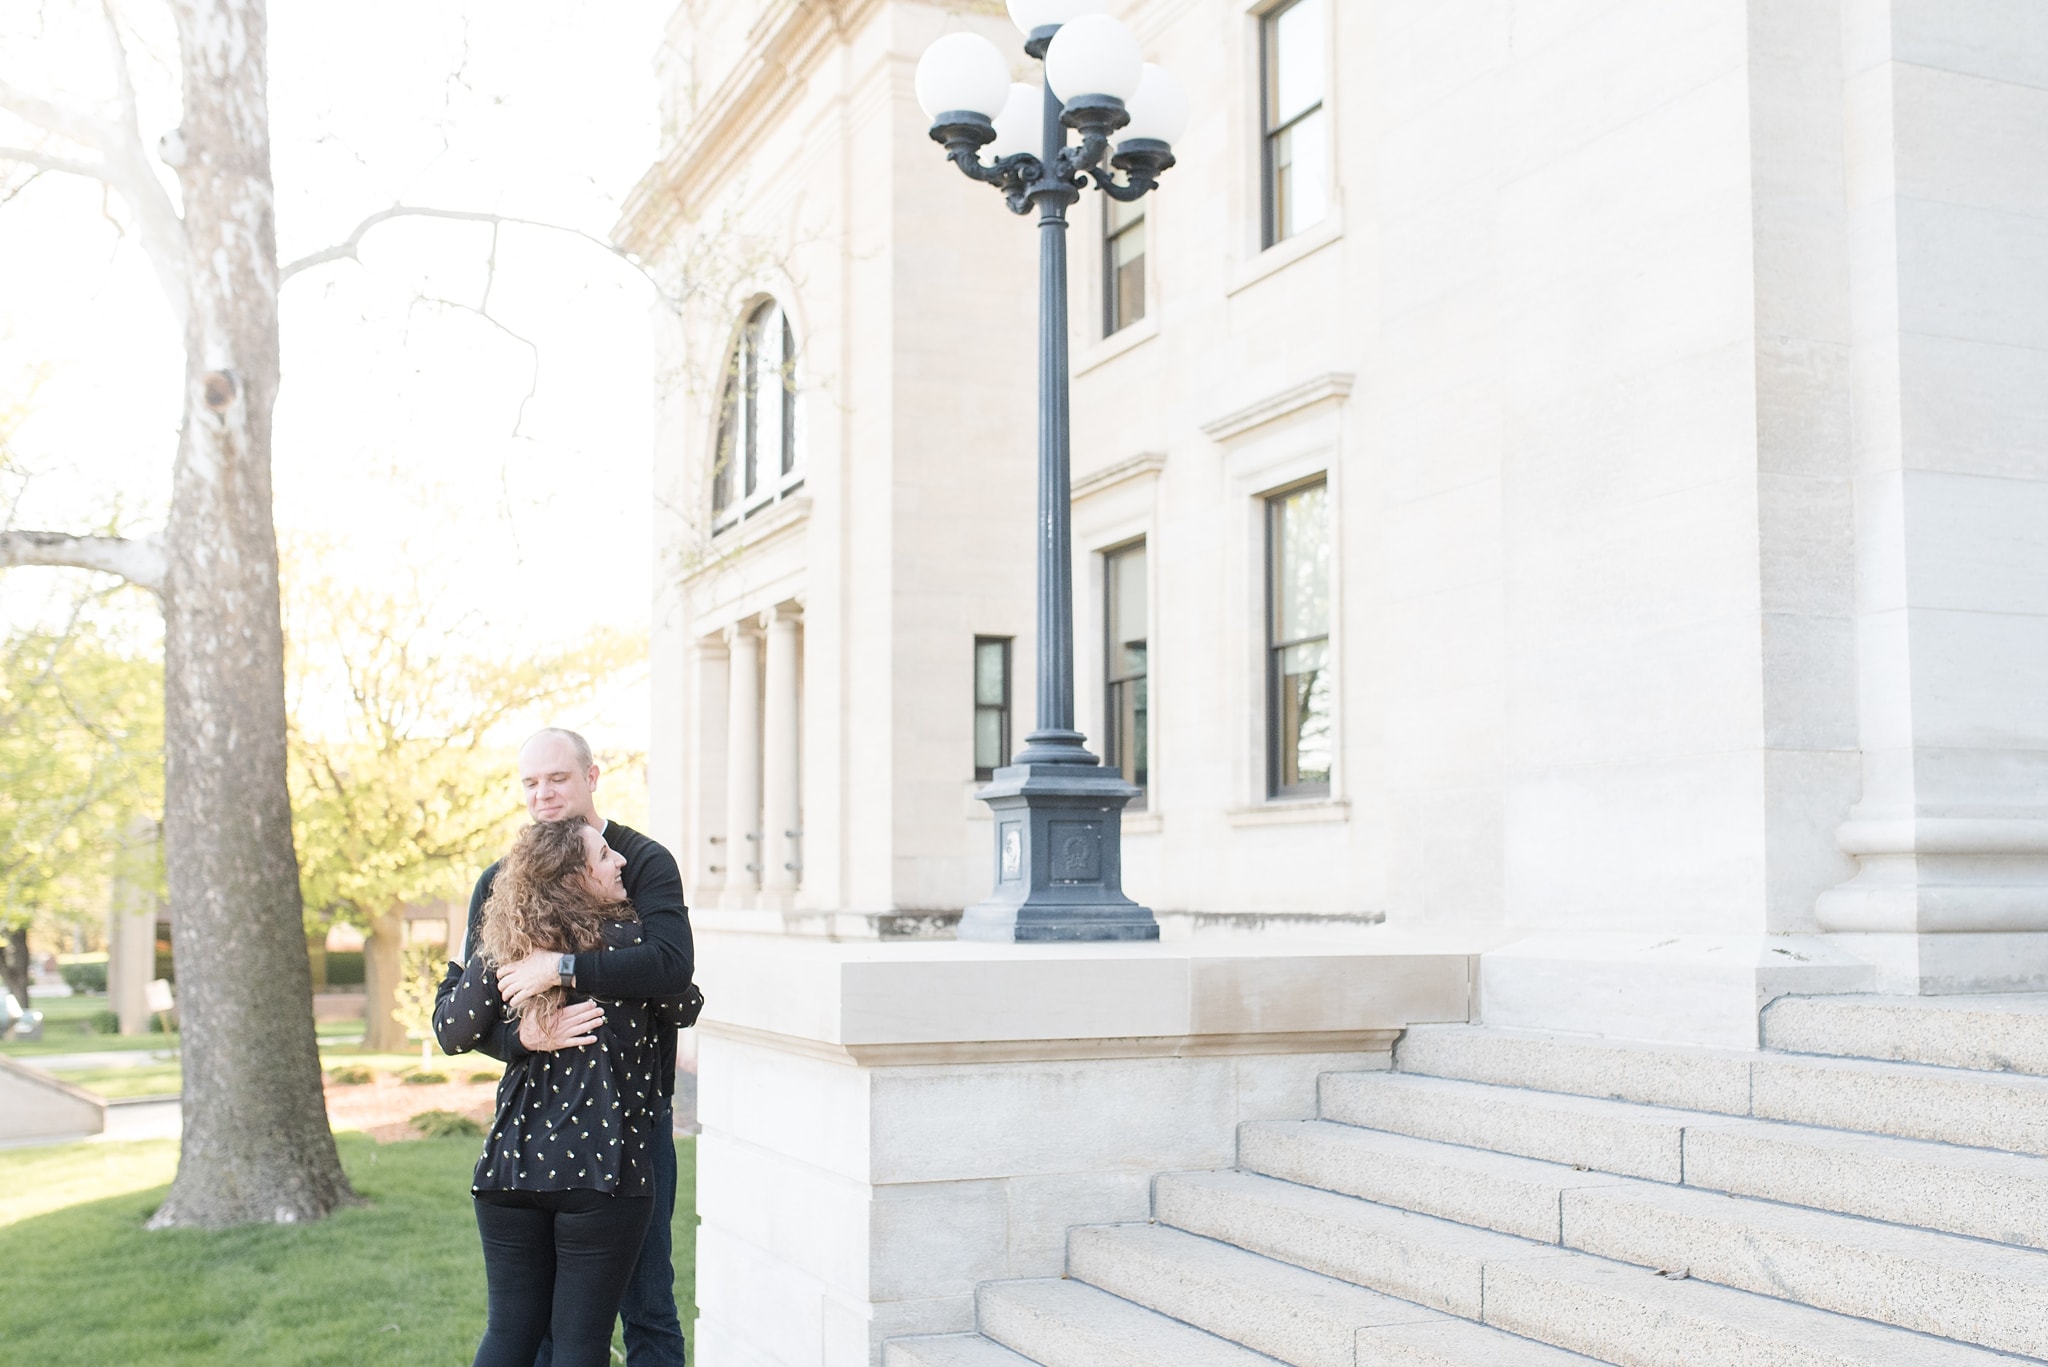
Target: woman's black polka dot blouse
x=572, y=1120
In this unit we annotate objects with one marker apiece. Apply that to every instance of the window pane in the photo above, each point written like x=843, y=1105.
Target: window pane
x=1301, y=564
x=788, y=397
x=1300, y=167
x=1123, y=254
x=989, y=684
x=988, y=738
x=1304, y=729
x=1294, y=55
x=750, y=403
x=721, y=455
x=1127, y=633
x=769, y=442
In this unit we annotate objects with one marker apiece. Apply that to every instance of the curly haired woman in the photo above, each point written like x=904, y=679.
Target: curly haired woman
x=562, y=1189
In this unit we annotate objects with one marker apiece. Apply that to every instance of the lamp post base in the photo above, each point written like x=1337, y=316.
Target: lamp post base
x=1059, y=858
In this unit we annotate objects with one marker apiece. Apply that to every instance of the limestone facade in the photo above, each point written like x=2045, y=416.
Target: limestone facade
x=1676, y=374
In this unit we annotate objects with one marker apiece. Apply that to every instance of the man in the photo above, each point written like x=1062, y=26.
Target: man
x=560, y=783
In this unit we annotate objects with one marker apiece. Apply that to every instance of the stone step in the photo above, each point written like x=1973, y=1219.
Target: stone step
x=1957, y=1287
x=1060, y=1323
x=1457, y=1343
x=1283, y=1311
x=1987, y=1195
x=1688, y=1077
x=1605, y=1136
x=1518, y=1196
x=1978, y=1192
x=1912, y=1101
x=949, y=1350
x=1996, y=1033
x=1941, y=1284
x=1608, y=1311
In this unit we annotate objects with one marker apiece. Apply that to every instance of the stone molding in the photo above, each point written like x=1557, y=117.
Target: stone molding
x=1149, y=463
x=1060, y=1050
x=1335, y=384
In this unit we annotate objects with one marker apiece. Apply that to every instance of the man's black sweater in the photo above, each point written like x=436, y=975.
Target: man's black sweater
x=660, y=966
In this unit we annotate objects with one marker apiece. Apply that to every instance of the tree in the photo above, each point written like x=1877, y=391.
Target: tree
x=419, y=985
x=81, y=758
x=256, y=1142
x=402, y=758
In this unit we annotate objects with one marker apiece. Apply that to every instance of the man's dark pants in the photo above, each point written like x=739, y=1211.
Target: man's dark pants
x=654, y=1335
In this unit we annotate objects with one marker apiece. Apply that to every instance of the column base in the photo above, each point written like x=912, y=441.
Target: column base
x=1911, y=964
x=1691, y=989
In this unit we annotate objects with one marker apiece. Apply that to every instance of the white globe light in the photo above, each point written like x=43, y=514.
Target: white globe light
x=1094, y=55
x=1159, y=109
x=962, y=71
x=1035, y=14
x=1021, y=125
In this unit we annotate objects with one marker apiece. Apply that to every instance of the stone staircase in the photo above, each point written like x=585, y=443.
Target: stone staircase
x=1871, y=1190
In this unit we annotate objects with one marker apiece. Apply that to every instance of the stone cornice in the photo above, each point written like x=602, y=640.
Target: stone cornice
x=1124, y=471
x=1336, y=384
x=784, y=47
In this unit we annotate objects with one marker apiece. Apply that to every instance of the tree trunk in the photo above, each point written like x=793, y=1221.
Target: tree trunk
x=257, y=1147
x=17, y=965
x=383, y=964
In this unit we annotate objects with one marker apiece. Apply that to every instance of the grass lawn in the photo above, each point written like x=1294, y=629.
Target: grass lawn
x=399, y=1281
x=64, y=1032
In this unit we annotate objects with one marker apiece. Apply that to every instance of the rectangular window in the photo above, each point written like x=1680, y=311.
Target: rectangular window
x=1123, y=264
x=1294, y=122
x=1299, y=702
x=991, y=705
x=1127, y=736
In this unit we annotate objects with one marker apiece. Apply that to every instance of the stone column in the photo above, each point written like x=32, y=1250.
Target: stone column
x=1948, y=260
x=742, y=766
x=131, y=928
x=780, y=804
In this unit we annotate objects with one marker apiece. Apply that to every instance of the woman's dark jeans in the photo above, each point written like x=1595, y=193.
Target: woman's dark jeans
x=557, y=1263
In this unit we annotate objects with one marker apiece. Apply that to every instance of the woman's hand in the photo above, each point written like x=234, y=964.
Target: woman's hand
x=525, y=979
x=573, y=1027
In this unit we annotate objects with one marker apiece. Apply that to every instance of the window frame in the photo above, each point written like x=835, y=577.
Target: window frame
x=1269, y=134
x=1272, y=504
x=1112, y=681
x=1004, y=710
x=1113, y=320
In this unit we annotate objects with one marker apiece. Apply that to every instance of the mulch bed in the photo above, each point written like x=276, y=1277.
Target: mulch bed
x=383, y=1109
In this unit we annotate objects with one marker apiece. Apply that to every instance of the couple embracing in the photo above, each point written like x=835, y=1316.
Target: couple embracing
x=576, y=974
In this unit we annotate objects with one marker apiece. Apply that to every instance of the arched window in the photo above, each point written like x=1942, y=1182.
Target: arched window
x=756, y=460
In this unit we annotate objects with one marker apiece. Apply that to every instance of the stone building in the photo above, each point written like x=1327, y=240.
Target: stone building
x=1558, y=484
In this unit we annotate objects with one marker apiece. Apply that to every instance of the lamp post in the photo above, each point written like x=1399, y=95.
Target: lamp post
x=1058, y=811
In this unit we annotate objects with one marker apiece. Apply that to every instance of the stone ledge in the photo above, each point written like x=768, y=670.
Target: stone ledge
x=953, y=993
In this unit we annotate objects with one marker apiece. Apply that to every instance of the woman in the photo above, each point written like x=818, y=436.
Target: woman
x=562, y=1190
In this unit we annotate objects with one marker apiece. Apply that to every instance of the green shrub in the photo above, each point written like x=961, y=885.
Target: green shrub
x=90, y=976
x=156, y=1024
x=103, y=1023
x=423, y=1078
x=344, y=968
x=350, y=1075
x=166, y=966
x=484, y=1077
x=446, y=1125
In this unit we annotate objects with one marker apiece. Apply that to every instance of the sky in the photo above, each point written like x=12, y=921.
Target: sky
x=412, y=436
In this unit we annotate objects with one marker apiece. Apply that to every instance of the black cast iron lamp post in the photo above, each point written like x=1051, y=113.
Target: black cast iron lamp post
x=1058, y=812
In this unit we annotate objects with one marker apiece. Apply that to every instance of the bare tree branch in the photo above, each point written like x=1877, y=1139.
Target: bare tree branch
x=50, y=161
x=346, y=249
x=139, y=560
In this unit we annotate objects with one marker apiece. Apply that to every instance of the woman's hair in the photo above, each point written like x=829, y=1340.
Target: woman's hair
x=541, y=901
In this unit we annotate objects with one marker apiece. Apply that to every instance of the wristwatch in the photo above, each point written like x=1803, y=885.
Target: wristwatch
x=565, y=969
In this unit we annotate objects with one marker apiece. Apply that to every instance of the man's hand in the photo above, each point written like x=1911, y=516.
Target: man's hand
x=572, y=1028
x=529, y=977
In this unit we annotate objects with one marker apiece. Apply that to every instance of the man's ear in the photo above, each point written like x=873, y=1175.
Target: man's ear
x=594, y=773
